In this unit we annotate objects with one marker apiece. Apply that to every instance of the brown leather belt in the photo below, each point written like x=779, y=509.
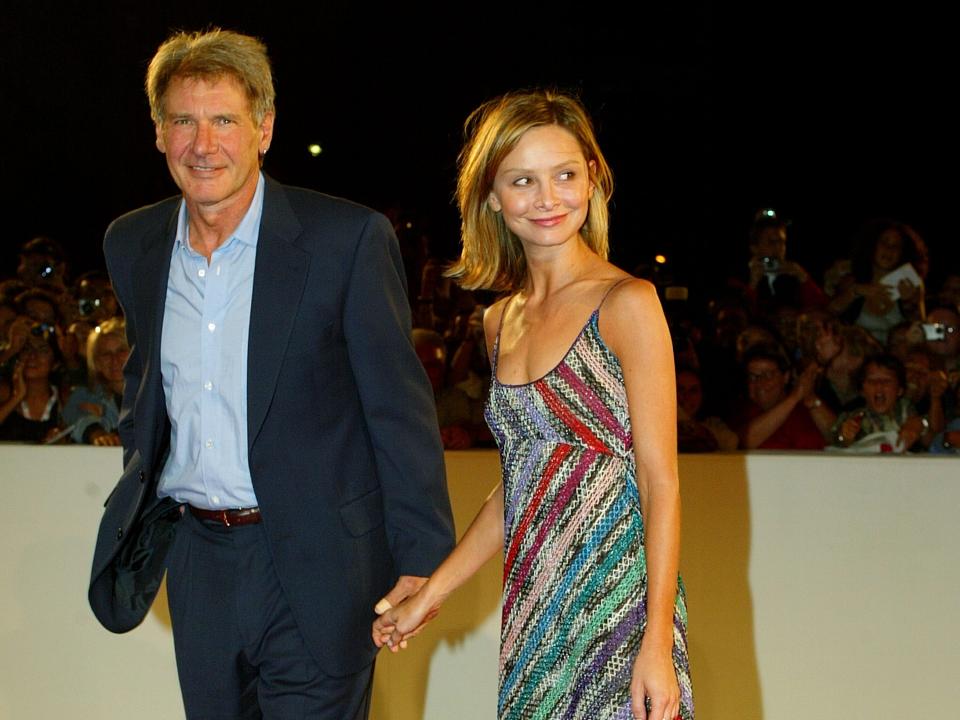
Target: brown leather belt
x=239, y=516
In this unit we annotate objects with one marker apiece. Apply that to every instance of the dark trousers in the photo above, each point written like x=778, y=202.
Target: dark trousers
x=239, y=651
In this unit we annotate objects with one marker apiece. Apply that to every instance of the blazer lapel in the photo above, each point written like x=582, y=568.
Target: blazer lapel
x=278, y=281
x=151, y=273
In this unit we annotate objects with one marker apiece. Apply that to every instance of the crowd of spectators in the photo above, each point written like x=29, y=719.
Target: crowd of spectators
x=62, y=350
x=866, y=359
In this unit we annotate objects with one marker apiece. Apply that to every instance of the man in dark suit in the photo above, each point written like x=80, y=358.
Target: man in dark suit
x=281, y=455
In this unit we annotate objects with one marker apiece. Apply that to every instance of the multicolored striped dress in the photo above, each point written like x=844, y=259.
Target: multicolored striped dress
x=575, y=580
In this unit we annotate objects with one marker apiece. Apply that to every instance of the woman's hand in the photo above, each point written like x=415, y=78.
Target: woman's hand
x=876, y=298
x=908, y=291
x=397, y=624
x=655, y=678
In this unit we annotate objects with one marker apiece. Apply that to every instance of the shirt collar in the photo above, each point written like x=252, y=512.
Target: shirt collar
x=247, y=232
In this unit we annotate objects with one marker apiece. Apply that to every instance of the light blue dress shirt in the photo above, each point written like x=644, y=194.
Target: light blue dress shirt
x=203, y=362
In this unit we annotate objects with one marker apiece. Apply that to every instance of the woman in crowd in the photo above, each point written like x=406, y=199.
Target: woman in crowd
x=30, y=412
x=93, y=411
x=866, y=297
x=583, y=407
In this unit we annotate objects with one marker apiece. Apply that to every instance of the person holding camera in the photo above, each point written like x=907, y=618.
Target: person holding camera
x=942, y=334
x=774, y=281
x=30, y=412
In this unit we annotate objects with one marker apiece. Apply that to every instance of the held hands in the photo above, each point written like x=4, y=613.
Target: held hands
x=403, y=612
x=654, y=689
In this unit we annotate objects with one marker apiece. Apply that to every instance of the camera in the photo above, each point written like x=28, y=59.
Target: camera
x=88, y=306
x=42, y=329
x=934, y=331
x=770, y=264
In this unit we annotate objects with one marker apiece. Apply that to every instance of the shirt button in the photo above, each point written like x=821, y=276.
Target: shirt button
x=208, y=385
x=211, y=327
x=209, y=443
x=215, y=499
x=201, y=272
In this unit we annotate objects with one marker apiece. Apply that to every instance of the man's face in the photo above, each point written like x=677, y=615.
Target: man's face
x=211, y=141
x=765, y=383
x=770, y=242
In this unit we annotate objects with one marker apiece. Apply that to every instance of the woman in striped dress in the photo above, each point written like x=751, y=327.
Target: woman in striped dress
x=588, y=513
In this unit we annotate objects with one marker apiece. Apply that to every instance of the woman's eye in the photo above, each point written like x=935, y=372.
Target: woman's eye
x=522, y=181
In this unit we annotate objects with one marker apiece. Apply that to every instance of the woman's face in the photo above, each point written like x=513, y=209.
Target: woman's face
x=37, y=358
x=881, y=389
x=109, y=356
x=888, y=251
x=543, y=188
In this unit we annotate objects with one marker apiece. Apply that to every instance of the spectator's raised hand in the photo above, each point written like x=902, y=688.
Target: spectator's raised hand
x=910, y=431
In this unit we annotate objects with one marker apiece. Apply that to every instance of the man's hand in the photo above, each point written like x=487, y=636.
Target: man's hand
x=406, y=586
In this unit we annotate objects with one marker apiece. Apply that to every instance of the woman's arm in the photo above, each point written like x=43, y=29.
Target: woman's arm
x=483, y=539
x=633, y=326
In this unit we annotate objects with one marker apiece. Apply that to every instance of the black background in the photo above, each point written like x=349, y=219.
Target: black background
x=829, y=118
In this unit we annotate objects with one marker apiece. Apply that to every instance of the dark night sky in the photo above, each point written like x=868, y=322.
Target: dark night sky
x=830, y=119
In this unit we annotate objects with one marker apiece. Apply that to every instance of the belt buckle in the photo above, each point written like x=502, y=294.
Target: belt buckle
x=225, y=517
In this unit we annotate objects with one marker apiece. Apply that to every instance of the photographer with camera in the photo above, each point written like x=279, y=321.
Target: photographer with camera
x=942, y=333
x=774, y=281
x=30, y=405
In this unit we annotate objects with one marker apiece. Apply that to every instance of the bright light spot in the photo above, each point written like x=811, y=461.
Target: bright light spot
x=315, y=149
x=661, y=259
x=409, y=225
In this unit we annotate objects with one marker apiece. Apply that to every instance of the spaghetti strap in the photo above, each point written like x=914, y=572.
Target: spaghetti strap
x=610, y=290
x=496, y=340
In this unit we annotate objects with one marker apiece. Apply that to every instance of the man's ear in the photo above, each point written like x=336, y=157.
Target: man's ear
x=160, y=144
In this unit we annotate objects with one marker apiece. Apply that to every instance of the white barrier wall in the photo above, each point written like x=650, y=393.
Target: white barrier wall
x=817, y=585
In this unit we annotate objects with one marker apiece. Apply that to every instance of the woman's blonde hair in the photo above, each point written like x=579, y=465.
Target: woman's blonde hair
x=114, y=326
x=492, y=257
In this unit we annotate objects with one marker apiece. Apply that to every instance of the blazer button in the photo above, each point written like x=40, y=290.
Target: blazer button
x=142, y=476
x=119, y=533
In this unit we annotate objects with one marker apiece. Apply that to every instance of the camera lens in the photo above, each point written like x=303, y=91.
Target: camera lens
x=86, y=306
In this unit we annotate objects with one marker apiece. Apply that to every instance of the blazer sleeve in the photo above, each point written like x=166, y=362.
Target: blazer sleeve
x=133, y=369
x=397, y=403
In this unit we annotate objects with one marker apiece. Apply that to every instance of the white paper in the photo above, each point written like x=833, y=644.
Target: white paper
x=904, y=272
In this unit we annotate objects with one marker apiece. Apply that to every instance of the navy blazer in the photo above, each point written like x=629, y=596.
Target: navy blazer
x=344, y=449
